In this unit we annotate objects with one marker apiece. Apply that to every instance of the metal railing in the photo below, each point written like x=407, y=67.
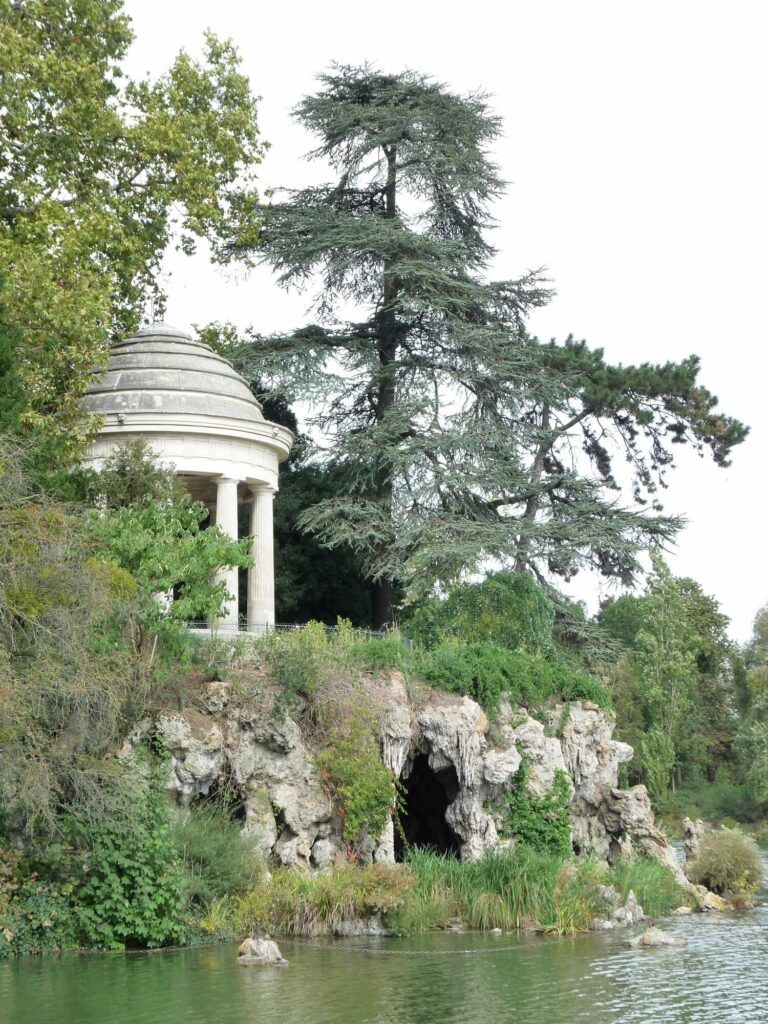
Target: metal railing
x=231, y=630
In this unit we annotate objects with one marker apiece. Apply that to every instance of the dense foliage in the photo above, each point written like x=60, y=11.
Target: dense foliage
x=727, y=861
x=540, y=822
x=752, y=737
x=98, y=173
x=674, y=689
x=80, y=631
x=365, y=789
x=455, y=437
x=488, y=673
x=71, y=677
x=507, y=609
x=131, y=887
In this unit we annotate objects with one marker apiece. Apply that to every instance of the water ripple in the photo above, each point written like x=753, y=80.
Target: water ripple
x=718, y=978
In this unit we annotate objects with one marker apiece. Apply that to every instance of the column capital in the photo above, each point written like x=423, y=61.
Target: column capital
x=257, y=488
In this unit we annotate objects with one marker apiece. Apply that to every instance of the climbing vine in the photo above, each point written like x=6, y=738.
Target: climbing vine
x=364, y=786
x=540, y=822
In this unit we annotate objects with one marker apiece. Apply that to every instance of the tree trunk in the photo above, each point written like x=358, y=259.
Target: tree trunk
x=381, y=596
x=381, y=604
x=532, y=504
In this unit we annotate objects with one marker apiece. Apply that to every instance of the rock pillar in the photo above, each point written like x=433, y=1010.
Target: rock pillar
x=261, y=576
x=226, y=520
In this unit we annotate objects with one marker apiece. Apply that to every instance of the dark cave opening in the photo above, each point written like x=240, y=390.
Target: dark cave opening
x=425, y=799
x=225, y=793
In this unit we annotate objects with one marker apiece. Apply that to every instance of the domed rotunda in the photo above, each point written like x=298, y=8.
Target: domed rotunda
x=198, y=415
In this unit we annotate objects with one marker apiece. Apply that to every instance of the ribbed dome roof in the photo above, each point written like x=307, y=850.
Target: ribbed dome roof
x=162, y=369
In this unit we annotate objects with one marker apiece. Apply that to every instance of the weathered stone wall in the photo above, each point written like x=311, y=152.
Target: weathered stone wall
x=291, y=815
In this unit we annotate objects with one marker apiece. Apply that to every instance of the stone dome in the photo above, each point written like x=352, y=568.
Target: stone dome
x=163, y=370
x=198, y=416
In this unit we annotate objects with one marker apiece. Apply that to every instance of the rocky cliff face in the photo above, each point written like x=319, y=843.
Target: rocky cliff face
x=291, y=815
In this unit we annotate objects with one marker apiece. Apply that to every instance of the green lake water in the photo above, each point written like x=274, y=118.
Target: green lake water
x=721, y=977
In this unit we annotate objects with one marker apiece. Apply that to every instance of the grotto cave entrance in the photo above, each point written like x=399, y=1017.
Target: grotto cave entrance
x=223, y=792
x=426, y=795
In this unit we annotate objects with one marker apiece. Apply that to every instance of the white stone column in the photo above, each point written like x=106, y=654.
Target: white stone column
x=226, y=520
x=261, y=576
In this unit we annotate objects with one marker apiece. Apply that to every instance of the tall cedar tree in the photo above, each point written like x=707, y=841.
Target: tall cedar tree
x=456, y=437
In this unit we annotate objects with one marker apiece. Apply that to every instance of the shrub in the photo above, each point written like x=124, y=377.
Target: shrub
x=487, y=672
x=352, y=764
x=540, y=822
x=295, y=659
x=727, y=862
x=381, y=653
x=216, y=858
x=36, y=915
x=131, y=890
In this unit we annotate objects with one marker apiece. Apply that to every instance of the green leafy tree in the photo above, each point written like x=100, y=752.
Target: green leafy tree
x=98, y=173
x=752, y=738
x=80, y=630
x=130, y=474
x=11, y=392
x=508, y=609
x=453, y=430
x=152, y=529
x=674, y=691
x=756, y=657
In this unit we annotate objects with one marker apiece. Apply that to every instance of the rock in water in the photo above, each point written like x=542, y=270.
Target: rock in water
x=620, y=916
x=652, y=937
x=710, y=900
x=259, y=951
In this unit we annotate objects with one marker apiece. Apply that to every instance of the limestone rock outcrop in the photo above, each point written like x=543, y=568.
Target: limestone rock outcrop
x=693, y=833
x=290, y=815
x=627, y=812
x=286, y=809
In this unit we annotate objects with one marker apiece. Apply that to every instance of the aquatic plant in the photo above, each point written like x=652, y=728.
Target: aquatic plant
x=654, y=886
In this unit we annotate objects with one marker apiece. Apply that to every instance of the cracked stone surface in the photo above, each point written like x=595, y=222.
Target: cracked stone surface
x=291, y=816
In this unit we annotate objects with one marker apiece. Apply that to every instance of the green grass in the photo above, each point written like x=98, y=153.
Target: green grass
x=297, y=903
x=505, y=889
x=514, y=889
x=656, y=890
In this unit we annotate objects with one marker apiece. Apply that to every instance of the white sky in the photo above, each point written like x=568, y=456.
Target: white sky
x=635, y=145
